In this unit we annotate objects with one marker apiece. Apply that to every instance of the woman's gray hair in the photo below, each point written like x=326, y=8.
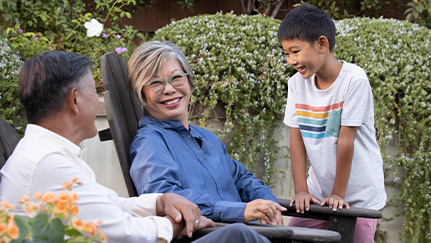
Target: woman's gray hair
x=145, y=62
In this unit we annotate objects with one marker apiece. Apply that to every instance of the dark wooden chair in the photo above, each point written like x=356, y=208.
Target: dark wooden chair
x=8, y=141
x=123, y=113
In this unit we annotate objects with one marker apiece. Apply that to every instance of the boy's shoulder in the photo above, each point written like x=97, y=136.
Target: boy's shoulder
x=352, y=69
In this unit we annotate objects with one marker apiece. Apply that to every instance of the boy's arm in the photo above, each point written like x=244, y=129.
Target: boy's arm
x=298, y=163
x=345, y=147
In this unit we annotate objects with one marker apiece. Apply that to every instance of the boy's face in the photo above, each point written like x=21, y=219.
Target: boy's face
x=307, y=59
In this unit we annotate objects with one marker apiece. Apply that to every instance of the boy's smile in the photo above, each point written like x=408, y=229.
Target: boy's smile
x=303, y=56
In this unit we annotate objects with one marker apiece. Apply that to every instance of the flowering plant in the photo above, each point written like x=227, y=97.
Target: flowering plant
x=51, y=219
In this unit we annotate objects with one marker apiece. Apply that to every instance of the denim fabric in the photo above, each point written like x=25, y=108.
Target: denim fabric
x=166, y=157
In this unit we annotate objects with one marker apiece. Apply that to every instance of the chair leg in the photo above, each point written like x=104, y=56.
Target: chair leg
x=343, y=225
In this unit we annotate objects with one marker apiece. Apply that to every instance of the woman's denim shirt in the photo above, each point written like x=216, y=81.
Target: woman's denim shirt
x=166, y=157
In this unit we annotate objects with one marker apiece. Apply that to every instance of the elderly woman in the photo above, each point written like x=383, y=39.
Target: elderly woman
x=170, y=155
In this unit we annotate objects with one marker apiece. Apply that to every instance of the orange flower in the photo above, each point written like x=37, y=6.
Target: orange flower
x=75, y=197
x=38, y=195
x=3, y=228
x=62, y=202
x=78, y=224
x=31, y=207
x=12, y=229
x=25, y=198
x=74, y=210
x=67, y=185
x=91, y=228
x=102, y=237
x=47, y=196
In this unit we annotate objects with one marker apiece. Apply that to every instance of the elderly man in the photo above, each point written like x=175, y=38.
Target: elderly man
x=58, y=92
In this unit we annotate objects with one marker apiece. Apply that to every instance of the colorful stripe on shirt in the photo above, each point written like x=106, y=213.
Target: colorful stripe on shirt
x=319, y=121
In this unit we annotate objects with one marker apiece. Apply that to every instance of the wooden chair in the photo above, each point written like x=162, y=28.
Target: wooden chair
x=123, y=113
x=8, y=141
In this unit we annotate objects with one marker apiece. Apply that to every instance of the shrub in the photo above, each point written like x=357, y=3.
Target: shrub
x=237, y=63
x=10, y=107
x=395, y=55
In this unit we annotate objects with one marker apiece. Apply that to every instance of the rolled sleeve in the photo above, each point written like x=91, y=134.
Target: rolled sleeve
x=229, y=211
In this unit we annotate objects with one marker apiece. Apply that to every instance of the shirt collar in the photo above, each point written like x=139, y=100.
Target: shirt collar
x=33, y=130
x=177, y=125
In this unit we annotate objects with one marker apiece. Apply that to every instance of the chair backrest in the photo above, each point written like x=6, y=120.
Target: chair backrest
x=123, y=110
x=8, y=141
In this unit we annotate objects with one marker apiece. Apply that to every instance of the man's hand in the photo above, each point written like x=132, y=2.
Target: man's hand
x=179, y=208
x=278, y=219
x=334, y=202
x=265, y=210
x=302, y=201
x=202, y=223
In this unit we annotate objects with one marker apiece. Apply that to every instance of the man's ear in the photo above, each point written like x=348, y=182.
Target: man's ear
x=71, y=100
x=323, y=43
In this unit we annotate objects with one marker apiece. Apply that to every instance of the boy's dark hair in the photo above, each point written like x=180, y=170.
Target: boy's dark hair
x=307, y=22
x=46, y=79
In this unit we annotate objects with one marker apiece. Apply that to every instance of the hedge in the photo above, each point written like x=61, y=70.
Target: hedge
x=238, y=63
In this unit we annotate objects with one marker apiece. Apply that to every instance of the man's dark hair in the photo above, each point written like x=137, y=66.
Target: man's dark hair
x=46, y=79
x=307, y=22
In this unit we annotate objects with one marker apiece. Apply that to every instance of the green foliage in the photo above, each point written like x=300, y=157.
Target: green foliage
x=56, y=25
x=395, y=55
x=10, y=107
x=346, y=9
x=419, y=11
x=59, y=25
x=237, y=63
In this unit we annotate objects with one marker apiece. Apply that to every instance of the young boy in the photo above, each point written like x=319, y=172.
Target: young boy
x=331, y=119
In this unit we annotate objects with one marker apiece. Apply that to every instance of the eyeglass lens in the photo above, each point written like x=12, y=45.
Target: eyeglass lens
x=176, y=80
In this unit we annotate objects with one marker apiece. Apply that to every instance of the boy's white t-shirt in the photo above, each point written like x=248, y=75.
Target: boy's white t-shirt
x=319, y=115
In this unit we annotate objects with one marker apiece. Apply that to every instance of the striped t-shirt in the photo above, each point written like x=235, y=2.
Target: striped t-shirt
x=319, y=114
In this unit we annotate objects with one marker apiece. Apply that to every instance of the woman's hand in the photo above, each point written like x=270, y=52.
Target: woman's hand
x=334, y=202
x=265, y=210
x=302, y=201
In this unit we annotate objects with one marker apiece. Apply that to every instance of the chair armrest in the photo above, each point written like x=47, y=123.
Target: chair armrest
x=277, y=233
x=319, y=212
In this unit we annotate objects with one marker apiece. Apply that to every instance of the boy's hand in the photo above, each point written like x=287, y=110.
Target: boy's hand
x=302, y=201
x=334, y=202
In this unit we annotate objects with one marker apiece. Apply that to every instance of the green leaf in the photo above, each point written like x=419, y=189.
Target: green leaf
x=46, y=230
x=23, y=224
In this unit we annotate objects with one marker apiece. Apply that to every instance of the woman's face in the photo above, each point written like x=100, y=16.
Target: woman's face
x=172, y=102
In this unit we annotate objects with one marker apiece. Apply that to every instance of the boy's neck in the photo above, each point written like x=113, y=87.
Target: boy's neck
x=328, y=73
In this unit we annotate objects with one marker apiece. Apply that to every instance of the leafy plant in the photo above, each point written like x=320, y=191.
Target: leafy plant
x=419, y=11
x=65, y=29
x=52, y=219
x=395, y=55
x=237, y=64
x=10, y=107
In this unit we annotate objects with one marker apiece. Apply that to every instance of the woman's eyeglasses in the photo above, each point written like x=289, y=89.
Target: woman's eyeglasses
x=176, y=80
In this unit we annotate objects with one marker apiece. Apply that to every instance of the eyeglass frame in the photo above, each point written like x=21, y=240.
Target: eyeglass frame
x=169, y=80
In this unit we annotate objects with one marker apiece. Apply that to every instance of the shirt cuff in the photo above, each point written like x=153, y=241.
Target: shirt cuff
x=165, y=230
x=229, y=211
x=145, y=205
